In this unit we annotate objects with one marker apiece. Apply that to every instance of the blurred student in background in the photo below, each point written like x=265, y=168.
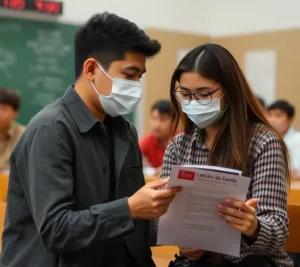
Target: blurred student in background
x=10, y=130
x=262, y=103
x=153, y=144
x=281, y=115
x=225, y=126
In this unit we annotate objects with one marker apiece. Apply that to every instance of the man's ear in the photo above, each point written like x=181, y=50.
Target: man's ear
x=89, y=68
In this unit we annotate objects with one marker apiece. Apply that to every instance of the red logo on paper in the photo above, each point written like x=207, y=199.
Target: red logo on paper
x=186, y=175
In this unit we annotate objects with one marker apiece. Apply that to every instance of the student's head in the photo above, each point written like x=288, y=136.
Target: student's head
x=9, y=107
x=162, y=114
x=222, y=99
x=281, y=115
x=261, y=101
x=114, y=44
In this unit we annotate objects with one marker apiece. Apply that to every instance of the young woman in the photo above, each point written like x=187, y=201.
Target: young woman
x=224, y=126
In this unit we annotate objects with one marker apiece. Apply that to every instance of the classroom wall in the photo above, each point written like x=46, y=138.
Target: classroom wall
x=160, y=70
x=239, y=25
x=233, y=17
x=286, y=43
x=175, y=15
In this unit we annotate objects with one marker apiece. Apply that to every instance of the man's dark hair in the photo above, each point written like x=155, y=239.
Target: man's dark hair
x=163, y=107
x=284, y=106
x=107, y=37
x=10, y=97
x=261, y=101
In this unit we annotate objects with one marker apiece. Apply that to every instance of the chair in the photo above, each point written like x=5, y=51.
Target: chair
x=2, y=217
x=3, y=186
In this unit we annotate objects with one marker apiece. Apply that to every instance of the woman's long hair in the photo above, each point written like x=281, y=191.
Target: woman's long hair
x=216, y=63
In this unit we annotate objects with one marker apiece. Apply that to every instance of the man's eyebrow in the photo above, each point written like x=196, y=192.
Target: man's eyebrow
x=135, y=68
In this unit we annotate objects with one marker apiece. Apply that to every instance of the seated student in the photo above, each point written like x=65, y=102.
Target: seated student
x=224, y=126
x=281, y=114
x=10, y=131
x=153, y=144
x=261, y=101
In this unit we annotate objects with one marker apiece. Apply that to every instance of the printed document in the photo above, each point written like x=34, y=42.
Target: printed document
x=192, y=219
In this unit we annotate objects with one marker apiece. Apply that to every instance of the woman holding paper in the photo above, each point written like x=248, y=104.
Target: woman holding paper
x=224, y=125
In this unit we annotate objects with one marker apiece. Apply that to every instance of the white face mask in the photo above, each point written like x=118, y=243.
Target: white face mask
x=204, y=115
x=124, y=97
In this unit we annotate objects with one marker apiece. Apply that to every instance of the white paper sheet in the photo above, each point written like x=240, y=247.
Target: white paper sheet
x=260, y=71
x=192, y=219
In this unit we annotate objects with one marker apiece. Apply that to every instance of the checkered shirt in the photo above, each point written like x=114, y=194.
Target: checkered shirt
x=268, y=183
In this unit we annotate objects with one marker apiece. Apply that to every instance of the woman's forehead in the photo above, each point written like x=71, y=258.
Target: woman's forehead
x=193, y=80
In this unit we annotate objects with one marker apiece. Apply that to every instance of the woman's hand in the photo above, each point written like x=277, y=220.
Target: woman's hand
x=192, y=253
x=241, y=216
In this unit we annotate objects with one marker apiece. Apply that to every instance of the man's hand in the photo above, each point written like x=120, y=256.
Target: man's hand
x=192, y=254
x=149, y=203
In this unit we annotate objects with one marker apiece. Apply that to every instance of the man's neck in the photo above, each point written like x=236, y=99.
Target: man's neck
x=94, y=109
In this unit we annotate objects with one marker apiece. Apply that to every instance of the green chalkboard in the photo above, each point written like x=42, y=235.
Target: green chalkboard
x=37, y=60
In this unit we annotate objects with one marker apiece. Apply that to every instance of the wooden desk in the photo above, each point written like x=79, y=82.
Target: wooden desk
x=293, y=244
x=3, y=186
x=162, y=255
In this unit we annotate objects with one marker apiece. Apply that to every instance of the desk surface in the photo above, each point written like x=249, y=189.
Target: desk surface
x=162, y=255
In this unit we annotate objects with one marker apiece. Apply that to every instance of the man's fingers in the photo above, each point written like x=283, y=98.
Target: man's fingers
x=166, y=193
x=157, y=183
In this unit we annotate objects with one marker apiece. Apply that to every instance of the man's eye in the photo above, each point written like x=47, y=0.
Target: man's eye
x=128, y=76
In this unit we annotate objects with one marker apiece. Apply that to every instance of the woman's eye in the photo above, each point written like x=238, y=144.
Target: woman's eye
x=203, y=94
x=184, y=93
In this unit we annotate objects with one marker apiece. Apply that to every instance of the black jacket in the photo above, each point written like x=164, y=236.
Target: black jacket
x=58, y=214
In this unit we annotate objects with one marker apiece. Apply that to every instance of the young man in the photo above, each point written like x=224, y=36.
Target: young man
x=153, y=145
x=281, y=115
x=77, y=195
x=10, y=131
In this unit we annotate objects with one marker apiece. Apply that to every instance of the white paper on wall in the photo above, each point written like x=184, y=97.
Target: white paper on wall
x=260, y=71
x=181, y=53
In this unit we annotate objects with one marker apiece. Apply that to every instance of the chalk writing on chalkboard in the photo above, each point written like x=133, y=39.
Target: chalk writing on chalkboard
x=36, y=58
x=48, y=83
x=43, y=98
x=49, y=48
x=10, y=27
x=7, y=61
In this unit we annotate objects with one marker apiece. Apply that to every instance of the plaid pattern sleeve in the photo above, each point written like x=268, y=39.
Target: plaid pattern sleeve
x=269, y=185
x=169, y=160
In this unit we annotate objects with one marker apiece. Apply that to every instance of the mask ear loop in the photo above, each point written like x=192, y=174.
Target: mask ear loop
x=94, y=87
x=101, y=68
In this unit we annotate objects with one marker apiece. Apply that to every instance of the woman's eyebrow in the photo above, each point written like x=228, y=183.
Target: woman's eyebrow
x=197, y=89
